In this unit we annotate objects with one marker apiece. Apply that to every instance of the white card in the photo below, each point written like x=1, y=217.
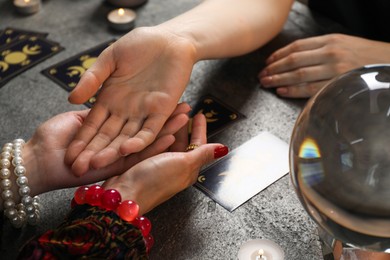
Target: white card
x=245, y=171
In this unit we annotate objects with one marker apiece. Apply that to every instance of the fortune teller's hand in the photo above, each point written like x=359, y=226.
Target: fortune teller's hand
x=44, y=153
x=143, y=75
x=158, y=178
x=303, y=67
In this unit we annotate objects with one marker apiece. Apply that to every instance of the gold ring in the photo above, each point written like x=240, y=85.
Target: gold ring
x=191, y=147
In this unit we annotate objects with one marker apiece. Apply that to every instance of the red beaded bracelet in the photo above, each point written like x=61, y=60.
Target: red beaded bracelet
x=111, y=200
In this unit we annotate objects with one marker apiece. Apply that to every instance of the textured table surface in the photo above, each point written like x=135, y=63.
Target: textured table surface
x=190, y=225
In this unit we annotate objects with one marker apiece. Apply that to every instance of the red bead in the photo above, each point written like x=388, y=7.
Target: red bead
x=128, y=210
x=79, y=195
x=73, y=203
x=144, y=224
x=93, y=195
x=149, y=242
x=110, y=199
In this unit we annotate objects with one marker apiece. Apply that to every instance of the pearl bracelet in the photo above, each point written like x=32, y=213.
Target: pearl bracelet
x=28, y=210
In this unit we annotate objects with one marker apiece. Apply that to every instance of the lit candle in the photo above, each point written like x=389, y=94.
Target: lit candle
x=122, y=19
x=260, y=249
x=27, y=6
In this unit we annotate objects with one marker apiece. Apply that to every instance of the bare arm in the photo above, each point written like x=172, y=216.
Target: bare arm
x=146, y=71
x=226, y=28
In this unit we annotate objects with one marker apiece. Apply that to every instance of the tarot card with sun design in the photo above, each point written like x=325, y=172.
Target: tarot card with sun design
x=218, y=114
x=68, y=72
x=21, y=55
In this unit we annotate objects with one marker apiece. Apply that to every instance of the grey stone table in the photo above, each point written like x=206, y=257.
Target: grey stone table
x=190, y=225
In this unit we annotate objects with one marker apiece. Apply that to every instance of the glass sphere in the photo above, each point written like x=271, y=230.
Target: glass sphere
x=340, y=158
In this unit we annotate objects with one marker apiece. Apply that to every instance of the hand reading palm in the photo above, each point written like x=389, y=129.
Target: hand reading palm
x=49, y=145
x=143, y=75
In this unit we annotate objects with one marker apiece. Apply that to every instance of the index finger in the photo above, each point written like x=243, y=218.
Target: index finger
x=297, y=46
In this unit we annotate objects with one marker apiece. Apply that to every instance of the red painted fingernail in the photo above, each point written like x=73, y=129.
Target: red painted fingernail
x=220, y=151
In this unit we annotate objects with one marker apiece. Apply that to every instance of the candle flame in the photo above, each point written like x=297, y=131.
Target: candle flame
x=26, y=1
x=121, y=11
x=260, y=255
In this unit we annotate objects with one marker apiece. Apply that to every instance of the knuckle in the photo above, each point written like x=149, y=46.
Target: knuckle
x=90, y=126
x=103, y=136
x=190, y=176
x=330, y=37
x=312, y=89
x=275, y=80
x=204, y=159
x=333, y=53
x=340, y=68
x=334, y=37
x=292, y=59
x=148, y=132
x=297, y=45
x=301, y=74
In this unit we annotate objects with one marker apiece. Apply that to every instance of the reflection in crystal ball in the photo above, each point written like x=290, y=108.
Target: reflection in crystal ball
x=340, y=158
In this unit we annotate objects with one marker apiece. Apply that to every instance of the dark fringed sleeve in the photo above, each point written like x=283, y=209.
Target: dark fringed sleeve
x=89, y=233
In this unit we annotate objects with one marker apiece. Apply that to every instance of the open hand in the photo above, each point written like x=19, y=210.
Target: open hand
x=143, y=76
x=44, y=153
x=303, y=67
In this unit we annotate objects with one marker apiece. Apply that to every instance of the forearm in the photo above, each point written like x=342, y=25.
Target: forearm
x=226, y=28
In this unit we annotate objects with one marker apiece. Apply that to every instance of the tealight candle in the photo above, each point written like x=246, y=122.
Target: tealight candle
x=260, y=249
x=121, y=19
x=27, y=6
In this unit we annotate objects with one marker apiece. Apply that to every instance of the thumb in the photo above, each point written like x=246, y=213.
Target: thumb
x=93, y=78
x=82, y=114
x=207, y=153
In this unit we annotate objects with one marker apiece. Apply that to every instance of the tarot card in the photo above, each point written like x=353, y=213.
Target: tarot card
x=218, y=114
x=21, y=55
x=245, y=171
x=9, y=35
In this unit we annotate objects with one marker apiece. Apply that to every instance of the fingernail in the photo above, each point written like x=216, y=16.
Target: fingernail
x=282, y=91
x=220, y=151
x=266, y=81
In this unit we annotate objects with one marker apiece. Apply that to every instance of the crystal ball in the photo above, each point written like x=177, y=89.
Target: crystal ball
x=340, y=158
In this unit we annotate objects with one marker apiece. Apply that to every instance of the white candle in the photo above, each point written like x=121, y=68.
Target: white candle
x=260, y=249
x=27, y=6
x=122, y=19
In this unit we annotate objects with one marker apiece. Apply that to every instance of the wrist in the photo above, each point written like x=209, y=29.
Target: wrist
x=175, y=43
x=19, y=207
x=30, y=164
x=33, y=171
x=181, y=41
x=128, y=189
